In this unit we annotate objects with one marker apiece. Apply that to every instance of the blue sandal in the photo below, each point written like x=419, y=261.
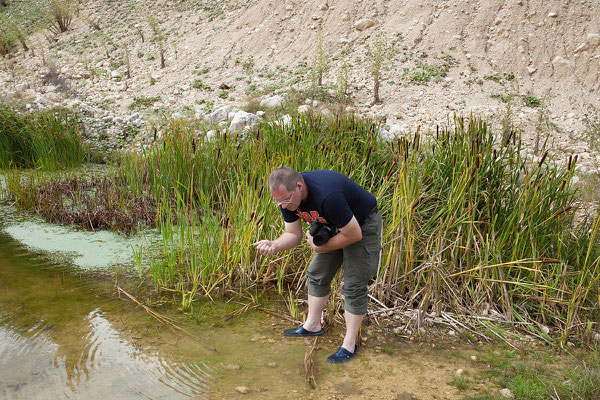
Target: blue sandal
x=342, y=355
x=300, y=331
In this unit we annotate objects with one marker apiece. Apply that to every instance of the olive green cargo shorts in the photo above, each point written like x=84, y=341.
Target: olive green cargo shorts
x=360, y=260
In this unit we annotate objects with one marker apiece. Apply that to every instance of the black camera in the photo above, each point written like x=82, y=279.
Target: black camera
x=321, y=233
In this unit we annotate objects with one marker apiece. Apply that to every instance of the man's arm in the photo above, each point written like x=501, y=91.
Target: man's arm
x=350, y=233
x=291, y=237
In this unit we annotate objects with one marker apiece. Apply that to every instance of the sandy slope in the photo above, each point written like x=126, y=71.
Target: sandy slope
x=552, y=48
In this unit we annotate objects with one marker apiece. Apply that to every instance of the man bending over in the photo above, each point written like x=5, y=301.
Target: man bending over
x=353, y=239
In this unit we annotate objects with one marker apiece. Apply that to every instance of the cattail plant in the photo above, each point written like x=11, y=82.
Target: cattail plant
x=469, y=225
x=43, y=140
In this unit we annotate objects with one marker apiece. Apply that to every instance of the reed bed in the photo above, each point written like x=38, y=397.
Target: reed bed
x=470, y=227
x=44, y=140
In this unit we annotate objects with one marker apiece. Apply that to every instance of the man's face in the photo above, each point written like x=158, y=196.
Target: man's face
x=287, y=199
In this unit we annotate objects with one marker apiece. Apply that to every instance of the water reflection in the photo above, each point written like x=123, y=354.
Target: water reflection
x=33, y=367
x=60, y=337
x=65, y=335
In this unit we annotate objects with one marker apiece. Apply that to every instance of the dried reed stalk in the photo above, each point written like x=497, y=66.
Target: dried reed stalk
x=165, y=320
x=309, y=365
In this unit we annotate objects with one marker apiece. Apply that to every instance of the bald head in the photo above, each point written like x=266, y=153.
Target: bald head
x=284, y=176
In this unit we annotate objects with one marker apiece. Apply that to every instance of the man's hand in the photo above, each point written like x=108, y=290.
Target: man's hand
x=351, y=233
x=311, y=244
x=292, y=236
x=266, y=247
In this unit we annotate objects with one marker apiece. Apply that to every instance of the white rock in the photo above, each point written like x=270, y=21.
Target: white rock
x=562, y=66
x=552, y=15
x=242, y=120
x=531, y=69
x=210, y=135
x=459, y=372
x=285, y=120
x=261, y=113
x=272, y=102
x=316, y=103
x=507, y=393
x=115, y=74
x=308, y=102
x=582, y=47
x=474, y=358
x=363, y=24
x=220, y=114
x=545, y=329
x=242, y=389
x=398, y=130
x=303, y=109
x=326, y=113
x=593, y=40
x=388, y=137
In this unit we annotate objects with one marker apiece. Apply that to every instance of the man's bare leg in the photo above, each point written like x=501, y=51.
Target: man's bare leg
x=315, y=311
x=353, y=322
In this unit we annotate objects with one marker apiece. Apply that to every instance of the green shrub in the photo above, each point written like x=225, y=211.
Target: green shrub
x=61, y=13
x=143, y=102
x=198, y=84
x=7, y=41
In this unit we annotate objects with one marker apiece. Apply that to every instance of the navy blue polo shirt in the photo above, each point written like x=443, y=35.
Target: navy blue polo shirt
x=332, y=198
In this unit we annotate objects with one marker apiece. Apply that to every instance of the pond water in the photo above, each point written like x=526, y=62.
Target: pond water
x=66, y=333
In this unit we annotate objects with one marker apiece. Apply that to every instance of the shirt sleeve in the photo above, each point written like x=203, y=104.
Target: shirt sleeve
x=288, y=216
x=336, y=210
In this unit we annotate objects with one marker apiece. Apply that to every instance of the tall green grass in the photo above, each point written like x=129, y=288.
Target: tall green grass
x=43, y=140
x=468, y=223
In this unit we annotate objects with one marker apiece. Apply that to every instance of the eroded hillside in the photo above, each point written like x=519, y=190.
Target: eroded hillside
x=535, y=62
